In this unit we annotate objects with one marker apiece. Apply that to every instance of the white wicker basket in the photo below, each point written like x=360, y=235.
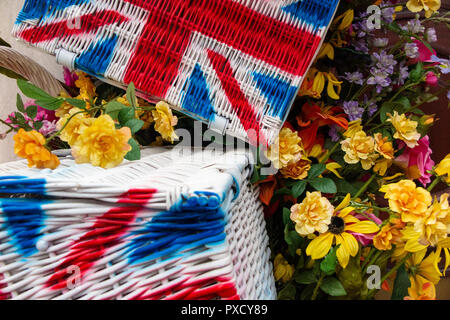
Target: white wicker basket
x=82, y=232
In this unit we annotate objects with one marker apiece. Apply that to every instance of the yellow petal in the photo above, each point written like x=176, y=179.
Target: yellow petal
x=413, y=245
x=332, y=166
x=418, y=256
x=318, y=83
x=350, y=219
x=445, y=243
x=363, y=227
x=344, y=202
x=345, y=212
x=447, y=259
x=348, y=247
x=320, y=246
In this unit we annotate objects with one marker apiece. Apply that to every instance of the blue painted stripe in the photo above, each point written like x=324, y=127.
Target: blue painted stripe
x=197, y=96
x=40, y=9
x=316, y=12
x=279, y=93
x=98, y=57
x=24, y=221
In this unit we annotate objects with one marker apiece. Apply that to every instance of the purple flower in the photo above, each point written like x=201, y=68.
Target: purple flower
x=443, y=64
x=353, y=110
x=403, y=74
x=430, y=35
x=412, y=50
x=371, y=106
x=48, y=127
x=334, y=133
x=385, y=62
x=354, y=77
x=414, y=26
x=379, y=78
x=388, y=14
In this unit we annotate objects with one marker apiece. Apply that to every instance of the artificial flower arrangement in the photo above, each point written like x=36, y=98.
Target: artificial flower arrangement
x=102, y=125
x=350, y=211
x=343, y=151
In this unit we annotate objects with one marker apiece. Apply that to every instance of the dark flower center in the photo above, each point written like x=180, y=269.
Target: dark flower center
x=337, y=225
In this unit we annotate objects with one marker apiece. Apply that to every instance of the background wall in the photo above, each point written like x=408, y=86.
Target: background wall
x=8, y=87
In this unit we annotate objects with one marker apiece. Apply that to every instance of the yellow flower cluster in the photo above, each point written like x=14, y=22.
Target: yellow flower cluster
x=314, y=84
x=359, y=147
x=430, y=6
x=87, y=94
x=406, y=129
x=287, y=150
x=165, y=121
x=334, y=225
x=282, y=269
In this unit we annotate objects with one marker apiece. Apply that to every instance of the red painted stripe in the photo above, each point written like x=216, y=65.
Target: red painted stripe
x=239, y=102
x=92, y=246
x=88, y=23
x=170, y=25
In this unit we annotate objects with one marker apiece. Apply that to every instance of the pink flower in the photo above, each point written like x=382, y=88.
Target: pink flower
x=70, y=77
x=431, y=79
x=417, y=161
x=424, y=52
x=366, y=239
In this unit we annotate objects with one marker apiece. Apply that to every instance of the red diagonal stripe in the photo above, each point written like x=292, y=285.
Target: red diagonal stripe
x=88, y=23
x=164, y=40
x=239, y=102
x=92, y=246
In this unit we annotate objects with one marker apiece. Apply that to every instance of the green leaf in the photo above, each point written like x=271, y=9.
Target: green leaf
x=282, y=191
x=286, y=216
x=404, y=104
x=307, y=292
x=416, y=74
x=80, y=104
x=333, y=287
x=19, y=103
x=38, y=125
x=126, y=115
x=31, y=111
x=113, y=108
x=135, y=125
x=135, y=152
x=10, y=74
x=292, y=238
x=19, y=118
x=41, y=98
x=3, y=43
x=305, y=277
x=329, y=263
x=324, y=185
x=316, y=170
x=298, y=188
x=346, y=187
x=131, y=95
x=386, y=108
x=287, y=293
x=401, y=284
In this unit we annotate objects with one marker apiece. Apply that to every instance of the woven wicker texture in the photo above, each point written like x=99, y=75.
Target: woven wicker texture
x=13, y=60
x=159, y=228
x=235, y=64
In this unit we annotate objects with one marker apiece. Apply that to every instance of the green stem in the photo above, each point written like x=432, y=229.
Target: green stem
x=403, y=89
x=433, y=184
x=365, y=186
x=316, y=289
x=426, y=100
x=371, y=262
x=64, y=126
x=387, y=275
x=367, y=259
x=330, y=152
x=8, y=124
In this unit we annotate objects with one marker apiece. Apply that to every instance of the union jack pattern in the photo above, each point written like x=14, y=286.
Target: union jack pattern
x=235, y=64
x=82, y=232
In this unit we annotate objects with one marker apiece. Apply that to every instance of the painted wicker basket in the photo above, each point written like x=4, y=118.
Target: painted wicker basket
x=170, y=226
x=234, y=64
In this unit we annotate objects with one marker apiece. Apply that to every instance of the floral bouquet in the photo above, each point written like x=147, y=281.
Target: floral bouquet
x=351, y=209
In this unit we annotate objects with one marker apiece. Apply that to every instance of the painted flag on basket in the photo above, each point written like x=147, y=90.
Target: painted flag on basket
x=234, y=64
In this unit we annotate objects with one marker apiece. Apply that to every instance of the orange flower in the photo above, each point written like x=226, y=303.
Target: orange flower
x=297, y=170
x=31, y=146
x=387, y=236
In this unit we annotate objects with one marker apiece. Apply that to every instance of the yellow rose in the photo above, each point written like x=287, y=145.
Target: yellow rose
x=360, y=147
x=297, y=170
x=75, y=126
x=388, y=235
x=406, y=129
x=407, y=199
x=430, y=6
x=443, y=168
x=87, y=88
x=283, y=270
x=165, y=121
x=287, y=150
x=101, y=144
x=313, y=214
x=436, y=224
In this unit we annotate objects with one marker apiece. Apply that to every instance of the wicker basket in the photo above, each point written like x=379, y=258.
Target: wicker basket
x=169, y=226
